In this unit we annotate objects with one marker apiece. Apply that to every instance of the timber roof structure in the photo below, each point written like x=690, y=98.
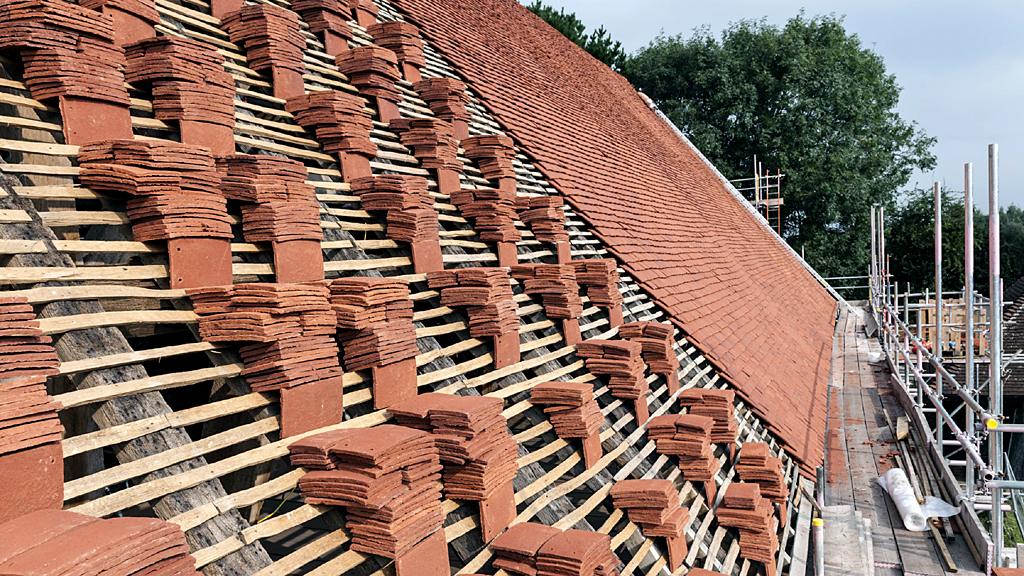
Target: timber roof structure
x=239, y=239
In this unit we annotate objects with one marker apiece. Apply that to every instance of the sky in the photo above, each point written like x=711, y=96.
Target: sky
x=961, y=66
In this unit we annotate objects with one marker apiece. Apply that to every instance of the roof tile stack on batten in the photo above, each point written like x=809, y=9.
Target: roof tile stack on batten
x=273, y=41
x=175, y=197
x=448, y=101
x=545, y=217
x=388, y=480
x=745, y=509
x=433, y=143
x=601, y=279
x=404, y=40
x=31, y=462
x=289, y=334
x=410, y=215
x=278, y=207
x=189, y=86
x=59, y=542
x=560, y=294
x=656, y=338
x=374, y=71
x=688, y=437
x=342, y=126
x=654, y=505
x=477, y=451
x=622, y=363
x=487, y=295
x=329, y=19
x=376, y=331
x=69, y=54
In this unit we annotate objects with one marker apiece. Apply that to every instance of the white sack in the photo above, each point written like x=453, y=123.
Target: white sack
x=915, y=515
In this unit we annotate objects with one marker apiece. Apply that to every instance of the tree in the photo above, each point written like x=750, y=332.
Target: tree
x=805, y=98
x=598, y=42
x=910, y=241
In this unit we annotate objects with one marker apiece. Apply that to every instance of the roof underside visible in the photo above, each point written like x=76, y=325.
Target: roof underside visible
x=736, y=291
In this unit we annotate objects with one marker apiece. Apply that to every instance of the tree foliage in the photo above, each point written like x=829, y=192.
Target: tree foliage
x=598, y=42
x=910, y=240
x=806, y=98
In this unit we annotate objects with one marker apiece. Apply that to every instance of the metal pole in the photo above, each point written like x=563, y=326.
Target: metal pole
x=883, y=261
x=874, y=260
x=969, y=304
x=995, y=391
x=937, y=191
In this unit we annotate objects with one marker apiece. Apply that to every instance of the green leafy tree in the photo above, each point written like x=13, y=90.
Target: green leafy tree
x=910, y=241
x=598, y=42
x=806, y=98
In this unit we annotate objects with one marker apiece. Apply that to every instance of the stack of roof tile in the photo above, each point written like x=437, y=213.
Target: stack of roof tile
x=175, y=187
x=342, y=126
x=28, y=417
x=718, y=405
x=573, y=413
x=410, y=213
x=392, y=192
x=601, y=278
x=494, y=154
x=486, y=293
x=387, y=477
x=60, y=542
x=544, y=216
x=270, y=35
x=493, y=211
x=658, y=350
x=702, y=572
x=372, y=69
x=555, y=284
x=745, y=509
x=290, y=327
x=473, y=439
x=187, y=78
x=328, y=18
x=478, y=453
x=531, y=549
x=622, y=362
x=688, y=437
x=375, y=319
x=278, y=204
x=67, y=49
x=432, y=142
x=414, y=225
x=654, y=505
x=559, y=292
x=758, y=466
x=404, y=40
x=448, y=101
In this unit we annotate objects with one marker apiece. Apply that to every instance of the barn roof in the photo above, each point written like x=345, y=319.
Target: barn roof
x=164, y=414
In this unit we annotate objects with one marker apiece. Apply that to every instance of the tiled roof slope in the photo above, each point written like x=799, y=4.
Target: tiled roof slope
x=741, y=297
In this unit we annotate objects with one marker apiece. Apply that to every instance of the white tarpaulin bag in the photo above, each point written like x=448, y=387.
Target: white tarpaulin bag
x=915, y=515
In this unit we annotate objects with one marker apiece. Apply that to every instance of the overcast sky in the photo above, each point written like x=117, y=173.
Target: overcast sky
x=961, y=65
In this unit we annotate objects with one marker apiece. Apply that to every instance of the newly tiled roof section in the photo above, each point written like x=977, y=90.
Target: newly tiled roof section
x=739, y=294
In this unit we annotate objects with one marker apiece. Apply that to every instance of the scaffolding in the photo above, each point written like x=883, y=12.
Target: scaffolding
x=764, y=191
x=922, y=335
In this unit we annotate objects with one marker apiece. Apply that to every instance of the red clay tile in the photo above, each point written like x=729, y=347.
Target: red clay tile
x=657, y=205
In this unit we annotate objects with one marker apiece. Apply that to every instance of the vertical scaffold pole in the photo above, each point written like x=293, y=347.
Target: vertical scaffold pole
x=995, y=391
x=937, y=191
x=969, y=318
